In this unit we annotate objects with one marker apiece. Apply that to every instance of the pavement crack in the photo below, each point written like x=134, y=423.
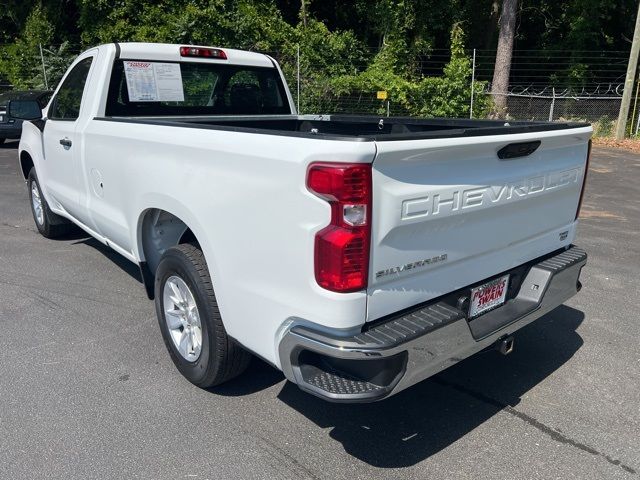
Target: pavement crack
x=47, y=302
x=276, y=451
x=59, y=291
x=535, y=423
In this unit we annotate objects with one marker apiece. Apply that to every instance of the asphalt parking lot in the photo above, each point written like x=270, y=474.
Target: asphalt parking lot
x=87, y=389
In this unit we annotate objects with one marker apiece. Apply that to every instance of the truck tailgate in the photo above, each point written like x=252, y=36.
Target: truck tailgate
x=448, y=213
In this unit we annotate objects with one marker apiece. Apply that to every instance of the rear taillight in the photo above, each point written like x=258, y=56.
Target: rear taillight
x=584, y=180
x=342, y=247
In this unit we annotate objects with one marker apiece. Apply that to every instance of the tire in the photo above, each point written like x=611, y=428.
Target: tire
x=220, y=358
x=48, y=223
x=2, y=140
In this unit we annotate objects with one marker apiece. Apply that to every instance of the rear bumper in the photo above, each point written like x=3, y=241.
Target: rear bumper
x=416, y=344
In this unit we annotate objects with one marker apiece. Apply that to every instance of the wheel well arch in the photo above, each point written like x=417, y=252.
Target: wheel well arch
x=26, y=163
x=159, y=230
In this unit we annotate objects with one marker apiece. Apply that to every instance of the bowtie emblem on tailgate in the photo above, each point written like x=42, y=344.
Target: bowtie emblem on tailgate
x=452, y=201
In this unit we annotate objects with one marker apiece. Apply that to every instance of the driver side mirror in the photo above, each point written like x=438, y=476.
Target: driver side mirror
x=25, y=110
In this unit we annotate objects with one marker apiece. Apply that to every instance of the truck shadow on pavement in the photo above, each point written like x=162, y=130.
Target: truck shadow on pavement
x=428, y=417
x=125, y=265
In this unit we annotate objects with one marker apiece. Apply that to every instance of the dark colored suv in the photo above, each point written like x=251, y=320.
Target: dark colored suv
x=15, y=106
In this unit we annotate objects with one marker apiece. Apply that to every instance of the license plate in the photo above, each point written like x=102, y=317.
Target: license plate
x=488, y=296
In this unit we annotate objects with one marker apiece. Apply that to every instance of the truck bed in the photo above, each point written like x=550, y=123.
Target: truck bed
x=355, y=127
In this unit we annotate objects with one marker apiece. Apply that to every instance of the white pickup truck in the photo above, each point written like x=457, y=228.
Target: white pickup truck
x=359, y=255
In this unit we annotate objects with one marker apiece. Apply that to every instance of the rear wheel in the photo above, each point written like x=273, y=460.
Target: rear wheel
x=2, y=140
x=190, y=320
x=48, y=223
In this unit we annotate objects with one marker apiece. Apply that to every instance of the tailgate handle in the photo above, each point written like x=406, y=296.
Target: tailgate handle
x=515, y=150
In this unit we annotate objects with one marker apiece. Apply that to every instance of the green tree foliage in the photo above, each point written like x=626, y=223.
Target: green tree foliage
x=20, y=62
x=253, y=24
x=575, y=27
x=13, y=14
x=442, y=96
x=56, y=62
x=346, y=48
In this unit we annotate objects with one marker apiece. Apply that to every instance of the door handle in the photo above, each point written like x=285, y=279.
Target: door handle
x=65, y=142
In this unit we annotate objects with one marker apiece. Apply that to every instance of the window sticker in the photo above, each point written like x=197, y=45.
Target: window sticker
x=154, y=82
x=169, y=82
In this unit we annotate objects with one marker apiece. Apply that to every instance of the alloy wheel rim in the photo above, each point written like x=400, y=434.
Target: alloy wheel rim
x=182, y=317
x=36, y=202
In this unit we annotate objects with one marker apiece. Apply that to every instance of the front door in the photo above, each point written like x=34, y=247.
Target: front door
x=60, y=172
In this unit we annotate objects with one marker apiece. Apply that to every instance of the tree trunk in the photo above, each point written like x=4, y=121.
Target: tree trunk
x=303, y=12
x=500, y=84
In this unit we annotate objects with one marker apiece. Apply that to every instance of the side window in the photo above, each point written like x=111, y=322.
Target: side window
x=271, y=94
x=66, y=104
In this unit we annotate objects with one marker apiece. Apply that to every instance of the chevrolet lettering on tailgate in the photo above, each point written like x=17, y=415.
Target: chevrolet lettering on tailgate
x=456, y=200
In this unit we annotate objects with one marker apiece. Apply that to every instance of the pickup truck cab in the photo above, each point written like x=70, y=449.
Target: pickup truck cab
x=359, y=255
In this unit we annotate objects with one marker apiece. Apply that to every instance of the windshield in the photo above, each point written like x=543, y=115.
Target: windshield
x=145, y=88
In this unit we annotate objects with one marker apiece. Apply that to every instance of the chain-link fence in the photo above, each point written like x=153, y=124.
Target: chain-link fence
x=594, y=97
x=592, y=89
x=541, y=107
x=519, y=106
x=601, y=111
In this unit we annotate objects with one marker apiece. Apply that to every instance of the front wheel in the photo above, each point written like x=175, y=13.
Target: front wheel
x=48, y=223
x=190, y=320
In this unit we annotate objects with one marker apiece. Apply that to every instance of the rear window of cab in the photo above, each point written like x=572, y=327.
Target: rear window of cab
x=206, y=89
